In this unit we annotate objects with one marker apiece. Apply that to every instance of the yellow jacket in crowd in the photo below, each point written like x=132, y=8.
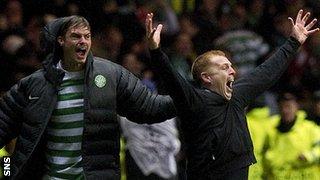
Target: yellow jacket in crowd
x=281, y=160
x=258, y=122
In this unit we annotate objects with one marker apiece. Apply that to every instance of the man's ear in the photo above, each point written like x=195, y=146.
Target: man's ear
x=60, y=40
x=205, y=77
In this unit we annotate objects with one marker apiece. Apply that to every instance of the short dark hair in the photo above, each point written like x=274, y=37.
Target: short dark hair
x=73, y=21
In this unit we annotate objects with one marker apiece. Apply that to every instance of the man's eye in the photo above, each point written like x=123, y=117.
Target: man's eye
x=75, y=36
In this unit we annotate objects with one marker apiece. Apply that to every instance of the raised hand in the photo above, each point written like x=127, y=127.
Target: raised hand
x=152, y=34
x=300, y=30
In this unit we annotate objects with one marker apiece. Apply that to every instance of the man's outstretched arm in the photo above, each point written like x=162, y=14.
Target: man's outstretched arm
x=246, y=89
x=182, y=92
x=137, y=103
x=11, y=108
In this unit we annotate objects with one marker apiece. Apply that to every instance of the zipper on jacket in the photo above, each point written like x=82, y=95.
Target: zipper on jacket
x=85, y=105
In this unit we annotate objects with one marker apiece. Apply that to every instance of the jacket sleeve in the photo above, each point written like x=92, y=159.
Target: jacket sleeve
x=247, y=88
x=138, y=104
x=11, y=110
x=184, y=95
x=313, y=155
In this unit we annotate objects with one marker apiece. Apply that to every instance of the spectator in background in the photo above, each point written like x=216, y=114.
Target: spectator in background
x=148, y=79
x=245, y=46
x=113, y=42
x=258, y=118
x=3, y=24
x=124, y=17
x=280, y=25
x=293, y=6
x=9, y=49
x=14, y=15
x=72, y=8
x=311, y=75
x=33, y=32
x=255, y=15
x=188, y=26
x=12, y=43
x=166, y=16
x=30, y=55
x=205, y=17
x=151, y=149
x=131, y=62
x=57, y=8
x=314, y=114
x=47, y=18
x=108, y=43
x=183, y=6
x=182, y=55
x=292, y=146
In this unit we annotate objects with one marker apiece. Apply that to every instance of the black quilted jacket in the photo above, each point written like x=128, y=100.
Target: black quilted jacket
x=26, y=109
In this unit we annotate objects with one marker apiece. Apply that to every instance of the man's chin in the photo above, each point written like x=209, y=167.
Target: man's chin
x=80, y=60
x=228, y=97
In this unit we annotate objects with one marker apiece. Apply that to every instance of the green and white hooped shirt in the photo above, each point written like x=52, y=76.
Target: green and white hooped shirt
x=65, y=130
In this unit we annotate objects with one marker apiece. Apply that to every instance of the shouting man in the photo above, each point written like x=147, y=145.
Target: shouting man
x=213, y=116
x=65, y=115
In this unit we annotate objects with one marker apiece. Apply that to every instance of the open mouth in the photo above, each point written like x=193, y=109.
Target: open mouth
x=81, y=51
x=229, y=84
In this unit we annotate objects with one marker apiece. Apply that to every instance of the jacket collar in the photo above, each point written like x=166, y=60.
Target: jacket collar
x=52, y=73
x=218, y=98
x=55, y=75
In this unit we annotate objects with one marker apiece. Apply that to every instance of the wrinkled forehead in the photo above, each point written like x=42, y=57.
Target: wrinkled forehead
x=80, y=29
x=219, y=60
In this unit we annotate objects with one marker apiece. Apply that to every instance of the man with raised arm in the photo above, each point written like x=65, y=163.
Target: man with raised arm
x=214, y=123
x=65, y=115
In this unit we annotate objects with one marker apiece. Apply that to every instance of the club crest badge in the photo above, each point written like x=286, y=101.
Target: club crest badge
x=100, y=81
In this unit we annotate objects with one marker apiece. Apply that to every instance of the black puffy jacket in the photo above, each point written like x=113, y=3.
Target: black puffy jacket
x=25, y=111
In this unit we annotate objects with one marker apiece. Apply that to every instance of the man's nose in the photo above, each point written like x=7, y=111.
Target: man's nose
x=82, y=40
x=232, y=71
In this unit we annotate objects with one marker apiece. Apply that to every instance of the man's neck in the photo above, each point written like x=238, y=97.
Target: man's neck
x=207, y=86
x=72, y=66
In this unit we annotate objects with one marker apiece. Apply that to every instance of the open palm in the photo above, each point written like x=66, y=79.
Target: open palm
x=300, y=30
x=153, y=34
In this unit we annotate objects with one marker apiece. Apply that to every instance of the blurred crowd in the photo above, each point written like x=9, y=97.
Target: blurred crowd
x=247, y=30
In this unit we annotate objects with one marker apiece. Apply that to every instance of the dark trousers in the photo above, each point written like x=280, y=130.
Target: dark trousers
x=238, y=174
